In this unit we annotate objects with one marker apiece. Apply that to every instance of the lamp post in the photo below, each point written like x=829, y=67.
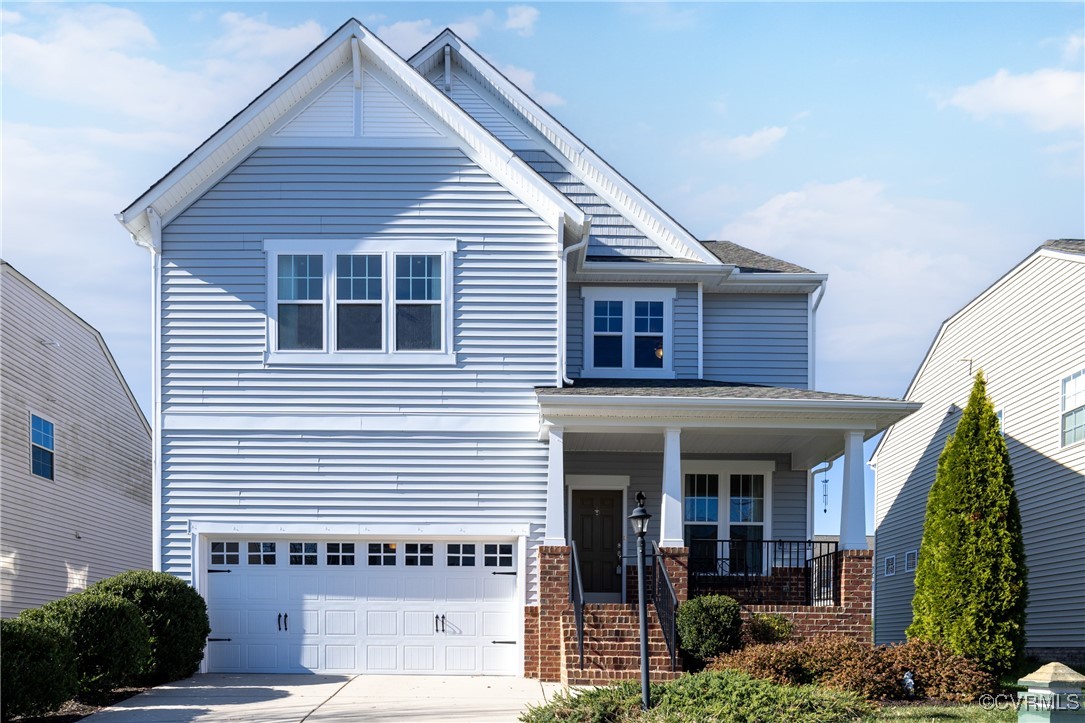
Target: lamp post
x=639, y=520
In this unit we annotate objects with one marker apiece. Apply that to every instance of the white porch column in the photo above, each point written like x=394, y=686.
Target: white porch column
x=670, y=524
x=853, y=498
x=555, y=490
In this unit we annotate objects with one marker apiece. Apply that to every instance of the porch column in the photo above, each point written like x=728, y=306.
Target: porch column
x=670, y=524
x=853, y=498
x=555, y=490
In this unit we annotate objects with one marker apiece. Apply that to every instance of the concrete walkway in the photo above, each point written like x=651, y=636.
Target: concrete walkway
x=217, y=698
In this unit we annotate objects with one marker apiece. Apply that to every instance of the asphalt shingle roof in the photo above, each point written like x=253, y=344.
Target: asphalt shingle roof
x=749, y=260
x=695, y=388
x=1069, y=245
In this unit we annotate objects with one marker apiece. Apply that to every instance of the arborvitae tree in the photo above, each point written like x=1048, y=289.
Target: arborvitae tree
x=971, y=581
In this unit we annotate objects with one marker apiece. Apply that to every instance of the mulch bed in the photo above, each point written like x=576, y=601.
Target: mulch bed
x=73, y=710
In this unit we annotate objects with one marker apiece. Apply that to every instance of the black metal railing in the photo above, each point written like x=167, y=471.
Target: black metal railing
x=576, y=597
x=798, y=572
x=666, y=603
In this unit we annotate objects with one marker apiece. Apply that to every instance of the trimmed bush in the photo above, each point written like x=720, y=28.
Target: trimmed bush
x=767, y=628
x=175, y=615
x=709, y=626
x=723, y=697
x=38, y=668
x=110, y=641
x=971, y=584
x=876, y=673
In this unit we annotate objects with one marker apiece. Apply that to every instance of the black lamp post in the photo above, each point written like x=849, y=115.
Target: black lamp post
x=639, y=520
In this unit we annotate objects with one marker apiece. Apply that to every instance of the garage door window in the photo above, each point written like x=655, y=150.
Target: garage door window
x=498, y=555
x=418, y=554
x=302, y=553
x=261, y=553
x=225, y=553
x=382, y=554
x=460, y=555
x=341, y=553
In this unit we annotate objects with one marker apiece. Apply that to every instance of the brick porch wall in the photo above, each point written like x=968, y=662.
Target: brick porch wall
x=543, y=623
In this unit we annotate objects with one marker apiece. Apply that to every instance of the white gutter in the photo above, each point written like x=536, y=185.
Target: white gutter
x=154, y=247
x=811, y=327
x=563, y=293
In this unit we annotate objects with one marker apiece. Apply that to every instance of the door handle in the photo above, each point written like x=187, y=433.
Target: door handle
x=442, y=623
x=279, y=624
x=436, y=623
x=286, y=623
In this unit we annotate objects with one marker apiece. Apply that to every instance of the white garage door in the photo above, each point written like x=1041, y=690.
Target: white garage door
x=362, y=607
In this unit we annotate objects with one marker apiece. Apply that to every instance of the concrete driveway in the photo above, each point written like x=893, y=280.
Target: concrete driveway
x=216, y=698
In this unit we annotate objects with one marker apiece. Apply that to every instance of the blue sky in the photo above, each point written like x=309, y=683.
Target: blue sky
x=913, y=151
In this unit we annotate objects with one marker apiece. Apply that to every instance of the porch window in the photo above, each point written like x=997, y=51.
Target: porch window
x=628, y=332
x=747, y=518
x=1073, y=408
x=702, y=505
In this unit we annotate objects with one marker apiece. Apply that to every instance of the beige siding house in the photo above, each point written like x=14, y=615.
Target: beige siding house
x=75, y=454
x=1027, y=333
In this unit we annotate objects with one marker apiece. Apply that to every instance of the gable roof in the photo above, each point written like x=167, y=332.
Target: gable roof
x=1068, y=249
x=233, y=141
x=748, y=260
x=45, y=295
x=610, y=185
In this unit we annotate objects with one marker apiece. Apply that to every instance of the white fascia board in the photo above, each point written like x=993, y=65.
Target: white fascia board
x=493, y=531
x=226, y=146
x=752, y=281
x=653, y=272
x=590, y=167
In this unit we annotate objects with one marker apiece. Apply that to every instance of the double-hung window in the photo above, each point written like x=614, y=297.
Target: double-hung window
x=368, y=301
x=42, y=447
x=1072, y=407
x=727, y=515
x=628, y=332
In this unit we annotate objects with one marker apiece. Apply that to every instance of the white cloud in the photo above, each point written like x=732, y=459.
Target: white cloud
x=249, y=37
x=521, y=18
x=407, y=37
x=746, y=147
x=10, y=17
x=525, y=81
x=897, y=267
x=1048, y=99
x=1072, y=48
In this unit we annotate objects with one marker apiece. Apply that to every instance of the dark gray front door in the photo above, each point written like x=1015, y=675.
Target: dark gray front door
x=597, y=530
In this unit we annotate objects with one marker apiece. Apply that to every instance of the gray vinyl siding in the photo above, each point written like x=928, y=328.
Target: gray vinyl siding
x=1026, y=333
x=757, y=339
x=94, y=517
x=645, y=472
x=214, y=304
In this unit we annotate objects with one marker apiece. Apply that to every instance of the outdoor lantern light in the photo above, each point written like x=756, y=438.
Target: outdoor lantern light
x=639, y=520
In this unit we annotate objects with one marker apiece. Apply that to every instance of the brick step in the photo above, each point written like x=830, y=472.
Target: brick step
x=603, y=677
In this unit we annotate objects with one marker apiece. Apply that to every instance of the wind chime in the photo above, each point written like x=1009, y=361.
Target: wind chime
x=825, y=491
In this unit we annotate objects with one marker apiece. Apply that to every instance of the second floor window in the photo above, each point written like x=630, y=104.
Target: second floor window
x=1072, y=406
x=628, y=332
x=41, y=447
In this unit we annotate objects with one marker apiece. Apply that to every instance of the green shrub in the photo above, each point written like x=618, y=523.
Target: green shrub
x=767, y=628
x=110, y=641
x=971, y=584
x=876, y=673
x=724, y=697
x=175, y=615
x=709, y=626
x=38, y=668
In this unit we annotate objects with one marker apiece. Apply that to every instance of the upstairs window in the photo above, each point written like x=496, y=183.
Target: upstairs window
x=369, y=301
x=1073, y=408
x=41, y=447
x=628, y=332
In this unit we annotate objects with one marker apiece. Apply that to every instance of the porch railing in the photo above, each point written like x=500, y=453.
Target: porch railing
x=576, y=597
x=796, y=572
x=666, y=603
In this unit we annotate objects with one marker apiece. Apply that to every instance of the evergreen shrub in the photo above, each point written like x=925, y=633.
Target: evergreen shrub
x=37, y=668
x=709, y=626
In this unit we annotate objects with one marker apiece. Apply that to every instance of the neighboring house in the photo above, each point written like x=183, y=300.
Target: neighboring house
x=1027, y=333
x=413, y=338
x=75, y=454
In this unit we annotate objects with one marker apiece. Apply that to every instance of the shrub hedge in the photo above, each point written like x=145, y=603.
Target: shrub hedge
x=37, y=668
x=175, y=615
x=876, y=673
x=718, y=696
x=709, y=625
x=766, y=628
x=110, y=642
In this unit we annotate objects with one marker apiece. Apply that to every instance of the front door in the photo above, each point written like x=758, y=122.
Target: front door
x=597, y=529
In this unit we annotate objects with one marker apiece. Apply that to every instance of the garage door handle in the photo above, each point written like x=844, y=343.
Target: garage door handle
x=286, y=621
x=280, y=623
x=219, y=640
x=503, y=642
x=442, y=623
x=502, y=573
x=436, y=623
x=210, y=571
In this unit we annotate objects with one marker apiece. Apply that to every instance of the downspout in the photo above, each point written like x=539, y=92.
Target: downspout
x=812, y=330
x=154, y=247
x=563, y=293
x=810, y=486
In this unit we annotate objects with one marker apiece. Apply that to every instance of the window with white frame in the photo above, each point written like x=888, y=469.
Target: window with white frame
x=42, y=447
x=367, y=301
x=303, y=553
x=726, y=515
x=911, y=558
x=225, y=553
x=1072, y=407
x=890, y=566
x=628, y=332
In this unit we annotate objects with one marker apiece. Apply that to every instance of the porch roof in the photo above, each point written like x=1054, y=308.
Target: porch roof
x=714, y=416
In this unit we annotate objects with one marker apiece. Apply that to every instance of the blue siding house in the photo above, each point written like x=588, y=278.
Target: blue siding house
x=413, y=340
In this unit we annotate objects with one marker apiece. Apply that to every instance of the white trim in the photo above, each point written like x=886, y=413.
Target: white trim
x=1062, y=379
x=700, y=330
x=555, y=533
x=886, y=566
x=628, y=295
x=352, y=422
x=48, y=418
x=724, y=468
x=606, y=482
x=914, y=554
x=398, y=530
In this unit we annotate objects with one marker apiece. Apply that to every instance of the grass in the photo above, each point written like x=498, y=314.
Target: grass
x=947, y=712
